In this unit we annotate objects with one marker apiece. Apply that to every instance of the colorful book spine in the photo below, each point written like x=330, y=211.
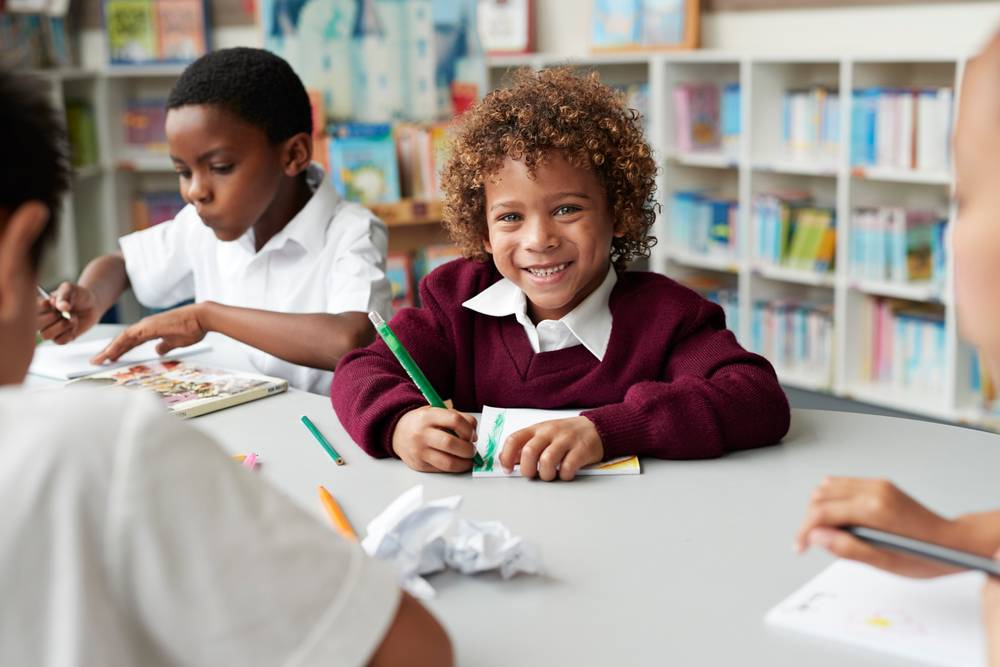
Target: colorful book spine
x=81, y=130
x=902, y=128
x=811, y=123
x=896, y=244
x=793, y=232
x=363, y=164
x=795, y=336
x=145, y=125
x=906, y=345
x=704, y=224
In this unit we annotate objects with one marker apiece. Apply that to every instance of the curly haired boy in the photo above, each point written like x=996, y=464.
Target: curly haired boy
x=549, y=194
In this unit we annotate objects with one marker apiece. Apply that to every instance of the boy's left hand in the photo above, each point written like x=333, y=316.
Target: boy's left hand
x=558, y=447
x=179, y=327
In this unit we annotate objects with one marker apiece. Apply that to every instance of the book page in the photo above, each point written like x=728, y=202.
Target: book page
x=496, y=424
x=934, y=621
x=71, y=361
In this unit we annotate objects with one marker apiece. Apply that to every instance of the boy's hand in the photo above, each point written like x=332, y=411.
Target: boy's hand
x=78, y=301
x=991, y=616
x=558, y=447
x=179, y=327
x=843, y=501
x=432, y=439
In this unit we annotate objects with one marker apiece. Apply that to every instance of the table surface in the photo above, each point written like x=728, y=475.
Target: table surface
x=675, y=566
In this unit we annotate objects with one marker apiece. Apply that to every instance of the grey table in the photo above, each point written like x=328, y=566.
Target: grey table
x=676, y=566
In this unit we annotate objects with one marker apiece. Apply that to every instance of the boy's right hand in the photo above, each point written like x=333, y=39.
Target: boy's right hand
x=78, y=301
x=430, y=439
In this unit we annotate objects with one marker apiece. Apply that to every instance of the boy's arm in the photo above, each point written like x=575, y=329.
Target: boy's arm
x=99, y=287
x=371, y=391
x=317, y=340
x=715, y=398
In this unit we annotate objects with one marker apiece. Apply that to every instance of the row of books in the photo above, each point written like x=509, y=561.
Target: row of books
x=810, y=123
x=34, y=41
x=152, y=208
x=378, y=163
x=406, y=270
x=704, y=223
x=155, y=31
x=905, y=347
x=898, y=244
x=902, y=128
x=792, y=231
x=706, y=117
x=796, y=336
x=81, y=131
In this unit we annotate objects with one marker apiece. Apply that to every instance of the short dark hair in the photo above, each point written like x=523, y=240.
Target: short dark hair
x=252, y=84
x=33, y=137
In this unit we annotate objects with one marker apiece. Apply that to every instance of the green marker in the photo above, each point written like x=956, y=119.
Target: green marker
x=411, y=368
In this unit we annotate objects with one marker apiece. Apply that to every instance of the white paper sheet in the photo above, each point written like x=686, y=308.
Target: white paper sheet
x=496, y=424
x=71, y=361
x=420, y=538
x=934, y=621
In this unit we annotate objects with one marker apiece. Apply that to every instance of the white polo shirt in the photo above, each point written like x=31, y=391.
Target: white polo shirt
x=589, y=324
x=330, y=258
x=129, y=538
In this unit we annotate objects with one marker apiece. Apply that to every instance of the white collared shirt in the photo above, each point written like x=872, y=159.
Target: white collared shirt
x=589, y=324
x=330, y=258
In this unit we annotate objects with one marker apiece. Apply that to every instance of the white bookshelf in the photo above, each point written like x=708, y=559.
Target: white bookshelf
x=759, y=164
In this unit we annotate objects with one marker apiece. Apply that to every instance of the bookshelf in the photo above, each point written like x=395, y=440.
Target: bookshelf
x=761, y=164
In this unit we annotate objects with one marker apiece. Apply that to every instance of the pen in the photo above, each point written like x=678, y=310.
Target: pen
x=411, y=367
x=322, y=441
x=336, y=515
x=927, y=550
x=48, y=297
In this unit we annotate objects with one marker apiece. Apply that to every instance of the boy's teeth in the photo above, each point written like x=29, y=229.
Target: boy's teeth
x=541, y=273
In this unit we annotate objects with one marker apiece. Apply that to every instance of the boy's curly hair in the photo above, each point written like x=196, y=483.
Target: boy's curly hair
x=553, y=109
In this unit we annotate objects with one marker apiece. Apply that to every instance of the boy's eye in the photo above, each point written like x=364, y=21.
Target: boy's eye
x=183, y=173
x=509, y=217
x=222, y=168
x=568, y=209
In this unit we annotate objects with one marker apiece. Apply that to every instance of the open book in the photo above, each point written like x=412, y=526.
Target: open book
x=71, y=361
x=496, y=424
x=190, y=390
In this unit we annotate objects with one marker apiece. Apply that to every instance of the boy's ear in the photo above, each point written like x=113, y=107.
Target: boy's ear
x=297, y=154
x=18, y=233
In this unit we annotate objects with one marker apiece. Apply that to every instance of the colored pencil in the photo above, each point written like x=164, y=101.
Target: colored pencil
x=336, y=515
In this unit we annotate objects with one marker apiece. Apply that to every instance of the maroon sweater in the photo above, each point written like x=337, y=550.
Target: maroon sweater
x=674, y=383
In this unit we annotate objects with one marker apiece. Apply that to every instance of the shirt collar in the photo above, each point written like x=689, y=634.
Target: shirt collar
x=590, y=321
x=308, y=227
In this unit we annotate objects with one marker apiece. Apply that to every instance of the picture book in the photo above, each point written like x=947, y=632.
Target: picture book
x=496, y=424
x=71, y=361
x=932, y=621
x=180, y=25
x=190, y=390
x=363, y=163
x=399, y=271
x=131, y=29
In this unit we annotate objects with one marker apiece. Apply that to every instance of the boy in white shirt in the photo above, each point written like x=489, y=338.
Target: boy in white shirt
x=267, y=249
x=129, y=538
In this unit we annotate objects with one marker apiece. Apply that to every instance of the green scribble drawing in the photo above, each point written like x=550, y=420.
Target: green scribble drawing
x=492, y=443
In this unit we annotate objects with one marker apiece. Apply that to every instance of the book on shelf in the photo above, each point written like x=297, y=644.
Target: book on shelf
x=794, y=232
x=153, y=208
x=696, y=117
x=81, y=131
x=902, y=128
x=189, y=389
x=422, y=150
x=155, y=31
x=897, y=244
x=730, y=122
x=399, y=271
x=981, y=382
x=904, y=346
x=363, y=164
x=810, y=123
x=34, y=40
x=704, y=223
x=144, y=120
x=796, y=336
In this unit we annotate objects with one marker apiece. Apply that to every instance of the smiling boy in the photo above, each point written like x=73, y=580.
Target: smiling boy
x=266, y=248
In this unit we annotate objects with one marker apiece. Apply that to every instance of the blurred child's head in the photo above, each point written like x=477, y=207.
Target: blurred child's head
x=552, y=178
x=976, y=236
x=32, y=182
x=239, y=127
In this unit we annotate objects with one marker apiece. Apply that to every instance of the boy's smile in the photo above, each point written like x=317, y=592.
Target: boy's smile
x=231, y=172
x=549, y=234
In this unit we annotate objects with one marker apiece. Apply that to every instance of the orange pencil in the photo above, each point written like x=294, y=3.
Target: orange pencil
x=340, y=521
